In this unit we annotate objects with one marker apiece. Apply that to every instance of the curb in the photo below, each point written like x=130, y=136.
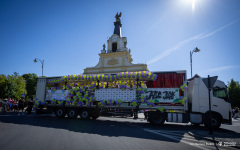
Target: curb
x=208, y=139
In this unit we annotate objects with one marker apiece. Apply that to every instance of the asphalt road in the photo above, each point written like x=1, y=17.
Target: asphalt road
x=49, y=132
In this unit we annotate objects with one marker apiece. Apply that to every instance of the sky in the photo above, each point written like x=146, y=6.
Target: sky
x=68, y=35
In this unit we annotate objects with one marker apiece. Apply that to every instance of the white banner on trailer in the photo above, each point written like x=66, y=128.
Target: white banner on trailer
x=162, y=95
x=126, y=95
x=57, y=94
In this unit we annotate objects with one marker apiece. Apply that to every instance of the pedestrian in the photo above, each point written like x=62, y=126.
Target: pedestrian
x=4, y=105
x=9, y=104
x=233, y=111
x=20, y=105
x=30, y=106
x=237, y=115
x=15, y=106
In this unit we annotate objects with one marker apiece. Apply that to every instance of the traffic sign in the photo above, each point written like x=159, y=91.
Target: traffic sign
x=209, y=84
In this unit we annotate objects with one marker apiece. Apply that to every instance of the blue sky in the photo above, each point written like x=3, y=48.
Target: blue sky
x=68, y=35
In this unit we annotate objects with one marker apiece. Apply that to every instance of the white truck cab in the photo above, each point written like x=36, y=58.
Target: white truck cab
x=198, y=97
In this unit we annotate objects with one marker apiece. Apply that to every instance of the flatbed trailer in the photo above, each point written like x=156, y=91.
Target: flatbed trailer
x=164, y=96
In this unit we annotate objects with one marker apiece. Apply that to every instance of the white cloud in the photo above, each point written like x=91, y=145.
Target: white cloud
x=220, y=69
x=217, y=30
x=184, y=42
x=170, y=50
x=156, y=24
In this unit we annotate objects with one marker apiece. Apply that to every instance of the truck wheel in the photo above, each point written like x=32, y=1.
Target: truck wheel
x=60, y=112
x=216, y=121
x=156, y=118
x=85, y=114
x=72, y=113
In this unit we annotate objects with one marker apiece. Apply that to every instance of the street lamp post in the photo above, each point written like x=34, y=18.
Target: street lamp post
x=42, y=61
x=191, y=52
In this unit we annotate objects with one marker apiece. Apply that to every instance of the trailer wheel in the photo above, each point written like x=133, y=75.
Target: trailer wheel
x=216, y=121
x=72, y=113
x=156, y=118
x=85, y=114
x=60, y=112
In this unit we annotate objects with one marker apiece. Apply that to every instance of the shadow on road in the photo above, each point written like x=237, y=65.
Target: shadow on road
x=106, y=127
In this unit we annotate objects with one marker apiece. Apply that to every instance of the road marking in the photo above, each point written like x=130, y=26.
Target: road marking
x=174, y=135
x=181, y=136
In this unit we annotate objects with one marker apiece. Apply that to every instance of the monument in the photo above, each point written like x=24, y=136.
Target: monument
x=117, y=57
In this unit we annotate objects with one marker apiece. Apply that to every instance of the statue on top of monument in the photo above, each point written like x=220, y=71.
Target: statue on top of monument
x=118, y=16
x=104, y=46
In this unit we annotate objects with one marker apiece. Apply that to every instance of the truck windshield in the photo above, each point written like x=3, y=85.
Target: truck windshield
x=220, y=93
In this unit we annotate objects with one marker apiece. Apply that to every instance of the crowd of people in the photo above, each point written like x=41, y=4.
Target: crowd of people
x=20, y=105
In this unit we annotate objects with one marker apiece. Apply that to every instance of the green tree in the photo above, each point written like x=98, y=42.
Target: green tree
x=3, y=86
x=234, y=93
x=21, y=86
x=15, y=74
x=31, y=84
x=12, y=86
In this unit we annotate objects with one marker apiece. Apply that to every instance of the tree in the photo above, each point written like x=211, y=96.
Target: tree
x=21, y=86
x=12, y=86
x=3, y=86
x=31, y=84
x=15, y=74
x=234, y=93
x=16, y=86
